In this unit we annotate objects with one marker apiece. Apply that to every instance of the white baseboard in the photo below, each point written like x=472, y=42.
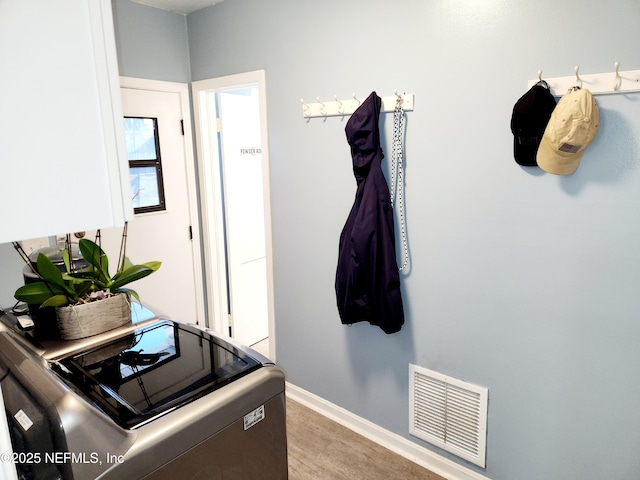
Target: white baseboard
x=397, y=444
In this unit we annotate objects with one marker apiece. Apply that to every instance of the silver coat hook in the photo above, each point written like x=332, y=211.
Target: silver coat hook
x=340, y=105
x=323, y=107
x=539, y=75
x=578, y=79
x=356, y=99
x=399, y=98
x=618, y=79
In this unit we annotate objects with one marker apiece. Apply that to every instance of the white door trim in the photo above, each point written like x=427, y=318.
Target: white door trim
x=182, y=89
x=210, y=176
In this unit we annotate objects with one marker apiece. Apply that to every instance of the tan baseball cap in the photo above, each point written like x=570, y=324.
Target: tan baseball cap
x=571, y=128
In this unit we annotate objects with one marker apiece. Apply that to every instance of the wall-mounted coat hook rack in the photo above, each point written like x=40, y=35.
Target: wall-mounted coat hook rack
x=347, y=107
x=599, y=83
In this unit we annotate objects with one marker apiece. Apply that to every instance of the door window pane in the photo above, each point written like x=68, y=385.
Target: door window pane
x=140, y=135
x=144, y=186
x=145, y=167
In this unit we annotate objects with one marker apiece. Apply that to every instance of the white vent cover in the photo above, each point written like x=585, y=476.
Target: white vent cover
x=448, y=413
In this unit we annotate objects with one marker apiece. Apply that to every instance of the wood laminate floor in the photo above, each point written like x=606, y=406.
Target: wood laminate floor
x=321, y=449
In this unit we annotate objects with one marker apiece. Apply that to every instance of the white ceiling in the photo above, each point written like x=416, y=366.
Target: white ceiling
x=179, y=6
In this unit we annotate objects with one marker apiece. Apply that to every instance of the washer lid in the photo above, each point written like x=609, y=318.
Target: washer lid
x=154, y=369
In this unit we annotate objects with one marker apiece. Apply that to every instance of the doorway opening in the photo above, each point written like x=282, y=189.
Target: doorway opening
x=231, y=133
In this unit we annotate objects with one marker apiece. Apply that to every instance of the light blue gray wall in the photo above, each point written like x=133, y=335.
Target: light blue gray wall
x=11, y=266
x=521, y=281
x=152, y=43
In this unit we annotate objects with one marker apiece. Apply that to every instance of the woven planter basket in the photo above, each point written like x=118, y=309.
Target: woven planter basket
x=80, y=321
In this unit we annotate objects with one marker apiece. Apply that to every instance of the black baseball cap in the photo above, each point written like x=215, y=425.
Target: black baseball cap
x=530, y=116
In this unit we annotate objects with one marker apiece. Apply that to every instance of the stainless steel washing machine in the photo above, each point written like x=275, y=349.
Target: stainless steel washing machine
x=155, y=400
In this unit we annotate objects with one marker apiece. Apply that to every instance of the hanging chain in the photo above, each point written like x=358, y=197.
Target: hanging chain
x=397, y=176
x=394, y=150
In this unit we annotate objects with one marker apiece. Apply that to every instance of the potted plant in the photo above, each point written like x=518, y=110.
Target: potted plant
x=88, y=301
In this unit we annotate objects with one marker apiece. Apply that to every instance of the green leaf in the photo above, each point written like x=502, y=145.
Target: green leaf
x=34, y=293
x=56, y=301
x=126, y=263
x=48, y=271
x=67, y=262
x=80, y=276
x=93, y=254
x=85, y=288
x=129, y=292
x=136, y=272
x=78, y=285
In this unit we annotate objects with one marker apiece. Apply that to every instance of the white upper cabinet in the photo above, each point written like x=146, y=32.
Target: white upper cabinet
x=63, y=165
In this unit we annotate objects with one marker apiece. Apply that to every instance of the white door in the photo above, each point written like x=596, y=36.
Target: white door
x=241, y=158
x=233, y=157
x=170, y=235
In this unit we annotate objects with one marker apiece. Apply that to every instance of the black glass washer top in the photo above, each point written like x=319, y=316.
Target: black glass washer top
x=154, y=369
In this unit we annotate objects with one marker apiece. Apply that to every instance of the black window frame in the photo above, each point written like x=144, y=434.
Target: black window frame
x=157, y=164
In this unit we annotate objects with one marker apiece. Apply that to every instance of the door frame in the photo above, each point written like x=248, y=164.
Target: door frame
x=211, y=196
x=182, y=89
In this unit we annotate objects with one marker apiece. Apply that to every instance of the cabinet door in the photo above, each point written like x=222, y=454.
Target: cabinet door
x=62, y=157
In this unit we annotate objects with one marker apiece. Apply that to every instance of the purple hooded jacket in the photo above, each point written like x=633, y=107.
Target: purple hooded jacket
x=367, y=277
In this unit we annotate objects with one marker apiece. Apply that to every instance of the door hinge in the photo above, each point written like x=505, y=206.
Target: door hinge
x=182, y=126
x=190, y=233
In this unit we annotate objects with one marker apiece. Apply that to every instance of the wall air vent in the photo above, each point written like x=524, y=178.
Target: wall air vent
x=448, y=413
